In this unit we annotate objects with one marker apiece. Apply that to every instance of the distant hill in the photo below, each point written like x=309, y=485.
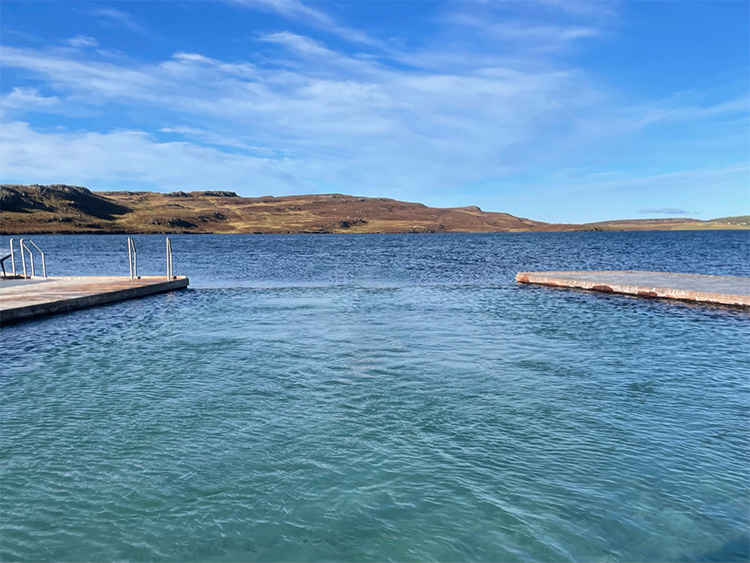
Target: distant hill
x=664, y=224
x=73, y=209
x=738, y=220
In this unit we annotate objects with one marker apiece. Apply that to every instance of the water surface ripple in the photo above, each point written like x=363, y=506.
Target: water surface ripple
x=380, y=398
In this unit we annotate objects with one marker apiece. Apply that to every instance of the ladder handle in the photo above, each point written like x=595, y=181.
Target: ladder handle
x=132, y=259
x=23, y=258
x=170, y=267
x=13, y=257
x=44, y=262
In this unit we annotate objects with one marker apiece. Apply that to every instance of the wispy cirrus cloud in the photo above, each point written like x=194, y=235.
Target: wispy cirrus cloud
x=665, y=211
x=298, y=11
x=538, y=37
x=715, y=175
x=82, y=41
x=26, y=98
x=114, y=16
x=298, y=43
x=137, y=157
x=540, y=27
x=588, y=8
x=204, y=136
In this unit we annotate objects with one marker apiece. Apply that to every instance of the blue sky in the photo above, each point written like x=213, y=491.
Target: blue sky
x=557, y=110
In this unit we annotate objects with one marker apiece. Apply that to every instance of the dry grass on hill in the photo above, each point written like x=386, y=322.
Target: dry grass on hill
x=71, y=209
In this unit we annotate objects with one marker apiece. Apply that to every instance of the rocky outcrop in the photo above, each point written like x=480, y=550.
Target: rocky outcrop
x=26, y=199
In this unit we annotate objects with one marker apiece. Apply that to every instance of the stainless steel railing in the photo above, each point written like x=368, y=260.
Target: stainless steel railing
x=26, y=246
x=132, y=259
x=13, y=256
x=22, y=244
x=170, y=272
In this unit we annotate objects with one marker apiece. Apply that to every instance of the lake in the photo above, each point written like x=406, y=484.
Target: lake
x=380, y=398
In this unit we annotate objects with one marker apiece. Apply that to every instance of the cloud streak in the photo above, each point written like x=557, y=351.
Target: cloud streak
x=82, y=41
x=665, y=211
x=298, y=11
x=118, y=17
x=135, y=156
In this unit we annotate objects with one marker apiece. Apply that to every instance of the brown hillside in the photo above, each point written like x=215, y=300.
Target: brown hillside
x=664, y=224
x=71, y=209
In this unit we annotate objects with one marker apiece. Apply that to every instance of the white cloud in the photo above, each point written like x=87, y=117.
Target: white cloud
x=82, y=41
x=665, y=211
x=532, y=36
x=27, y=99
x=298, y=11
x=122, y=19
x=533, y=28
x=298, y=43
x=587, y=8
x=89, y=158
x=209, y=137
x=294, y=9
x=715, y=175
x=681, y=107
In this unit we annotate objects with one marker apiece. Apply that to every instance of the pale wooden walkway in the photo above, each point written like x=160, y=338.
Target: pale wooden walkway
x=724, y=290
x=23, y=299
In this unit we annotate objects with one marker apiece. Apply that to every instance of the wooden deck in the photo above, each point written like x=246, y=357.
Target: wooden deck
x=24, y=299
x=722, y=290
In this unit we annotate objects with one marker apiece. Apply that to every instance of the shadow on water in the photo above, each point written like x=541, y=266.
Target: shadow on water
x=737, y=549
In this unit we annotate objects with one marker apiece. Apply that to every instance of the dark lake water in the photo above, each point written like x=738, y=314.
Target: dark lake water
x=377, y=398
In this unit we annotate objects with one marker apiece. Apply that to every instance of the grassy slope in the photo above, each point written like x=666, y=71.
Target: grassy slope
x=67, y=209
x=59, y=209
x=665, y=224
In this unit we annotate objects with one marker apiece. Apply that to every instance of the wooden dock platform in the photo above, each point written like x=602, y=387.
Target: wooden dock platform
x=723, y=290
x=27, y=298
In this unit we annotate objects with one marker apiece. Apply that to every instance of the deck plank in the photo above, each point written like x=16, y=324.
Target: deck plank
x=24, y=299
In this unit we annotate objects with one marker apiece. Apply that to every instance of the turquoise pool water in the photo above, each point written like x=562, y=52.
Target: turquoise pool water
x=375, y=398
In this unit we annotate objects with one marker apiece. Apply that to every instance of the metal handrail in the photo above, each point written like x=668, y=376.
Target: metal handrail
x=23, y=258
x=132, y=259
x=31, y=257
x=13, y=257
x=44, y=260
x=170, y=268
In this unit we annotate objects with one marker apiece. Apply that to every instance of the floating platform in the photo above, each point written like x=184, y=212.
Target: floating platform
x=26, y=298
x=721, y=290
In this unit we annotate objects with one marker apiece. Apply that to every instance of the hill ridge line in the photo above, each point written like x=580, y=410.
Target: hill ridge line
x=67, y=209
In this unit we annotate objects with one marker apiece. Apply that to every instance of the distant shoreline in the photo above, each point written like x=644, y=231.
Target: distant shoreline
x=69, y=210
x=162, y=233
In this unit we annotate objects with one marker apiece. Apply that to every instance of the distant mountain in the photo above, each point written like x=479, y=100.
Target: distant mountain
x=73, y=209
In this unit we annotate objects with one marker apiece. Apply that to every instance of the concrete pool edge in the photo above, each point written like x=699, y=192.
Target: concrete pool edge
x=653, y=285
